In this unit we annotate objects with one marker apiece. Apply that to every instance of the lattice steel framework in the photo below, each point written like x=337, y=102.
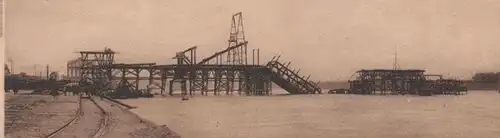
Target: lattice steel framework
x=225, y=71
x=237, y=56
x=96, y=70
x=414, y=82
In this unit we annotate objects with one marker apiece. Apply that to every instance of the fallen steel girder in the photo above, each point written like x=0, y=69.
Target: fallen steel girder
x=258, y=78
x=218, y=55
x=228, y=76
x=290, y=80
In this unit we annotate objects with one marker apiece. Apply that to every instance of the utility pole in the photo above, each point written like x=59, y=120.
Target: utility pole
x=396, y=66
x=47, y=71
x=11, y=65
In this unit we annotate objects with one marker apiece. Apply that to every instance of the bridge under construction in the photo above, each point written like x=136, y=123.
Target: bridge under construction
x=397, y=81
x=224, y=72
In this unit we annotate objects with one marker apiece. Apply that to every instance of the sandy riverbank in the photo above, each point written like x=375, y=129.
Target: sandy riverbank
x=36, y=115
x=356, y=116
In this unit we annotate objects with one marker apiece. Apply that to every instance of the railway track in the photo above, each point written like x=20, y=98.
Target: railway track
x=91, y=121
x=38, y=116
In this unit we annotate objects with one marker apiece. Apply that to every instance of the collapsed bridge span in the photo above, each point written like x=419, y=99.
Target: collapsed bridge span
x=215, y=79
x=225, y=72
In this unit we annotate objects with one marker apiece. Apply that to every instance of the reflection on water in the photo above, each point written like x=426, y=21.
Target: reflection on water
x=177, y=87
x=327, y=116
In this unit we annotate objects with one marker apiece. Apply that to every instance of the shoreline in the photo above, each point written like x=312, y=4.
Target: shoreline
x=148, y=122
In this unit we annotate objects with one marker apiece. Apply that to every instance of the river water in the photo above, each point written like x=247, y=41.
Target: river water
x=476, y=115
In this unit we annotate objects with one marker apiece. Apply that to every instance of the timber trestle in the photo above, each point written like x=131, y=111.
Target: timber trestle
x=226, y=72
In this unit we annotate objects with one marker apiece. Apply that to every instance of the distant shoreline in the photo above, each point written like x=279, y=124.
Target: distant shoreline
x=468, y=83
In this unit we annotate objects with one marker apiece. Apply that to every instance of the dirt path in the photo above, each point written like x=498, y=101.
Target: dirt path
x=86, y=125
x=124, y=124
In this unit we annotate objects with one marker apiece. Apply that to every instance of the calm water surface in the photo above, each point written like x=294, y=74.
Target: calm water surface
x=476, y=115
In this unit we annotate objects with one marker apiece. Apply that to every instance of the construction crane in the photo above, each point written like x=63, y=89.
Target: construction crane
x=237, y=56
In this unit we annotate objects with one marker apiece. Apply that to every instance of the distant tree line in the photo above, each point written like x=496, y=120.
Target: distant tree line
x=487, y=77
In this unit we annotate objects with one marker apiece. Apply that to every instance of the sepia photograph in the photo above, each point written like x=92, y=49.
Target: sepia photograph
x=251, y=68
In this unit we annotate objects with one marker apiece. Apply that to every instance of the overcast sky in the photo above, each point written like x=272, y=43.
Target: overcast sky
x=329, y=39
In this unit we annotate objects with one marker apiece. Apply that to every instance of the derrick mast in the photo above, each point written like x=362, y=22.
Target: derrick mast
x=237, y=56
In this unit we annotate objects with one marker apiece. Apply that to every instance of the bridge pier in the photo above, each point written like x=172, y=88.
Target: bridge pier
x=413, y=82
x=222, y=74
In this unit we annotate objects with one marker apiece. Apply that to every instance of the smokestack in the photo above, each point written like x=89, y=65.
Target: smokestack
x=11, y=66
x=253, y=56
x=47, y=71
x=258, y=57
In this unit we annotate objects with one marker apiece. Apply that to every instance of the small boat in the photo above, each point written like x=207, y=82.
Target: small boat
x=185, y=98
